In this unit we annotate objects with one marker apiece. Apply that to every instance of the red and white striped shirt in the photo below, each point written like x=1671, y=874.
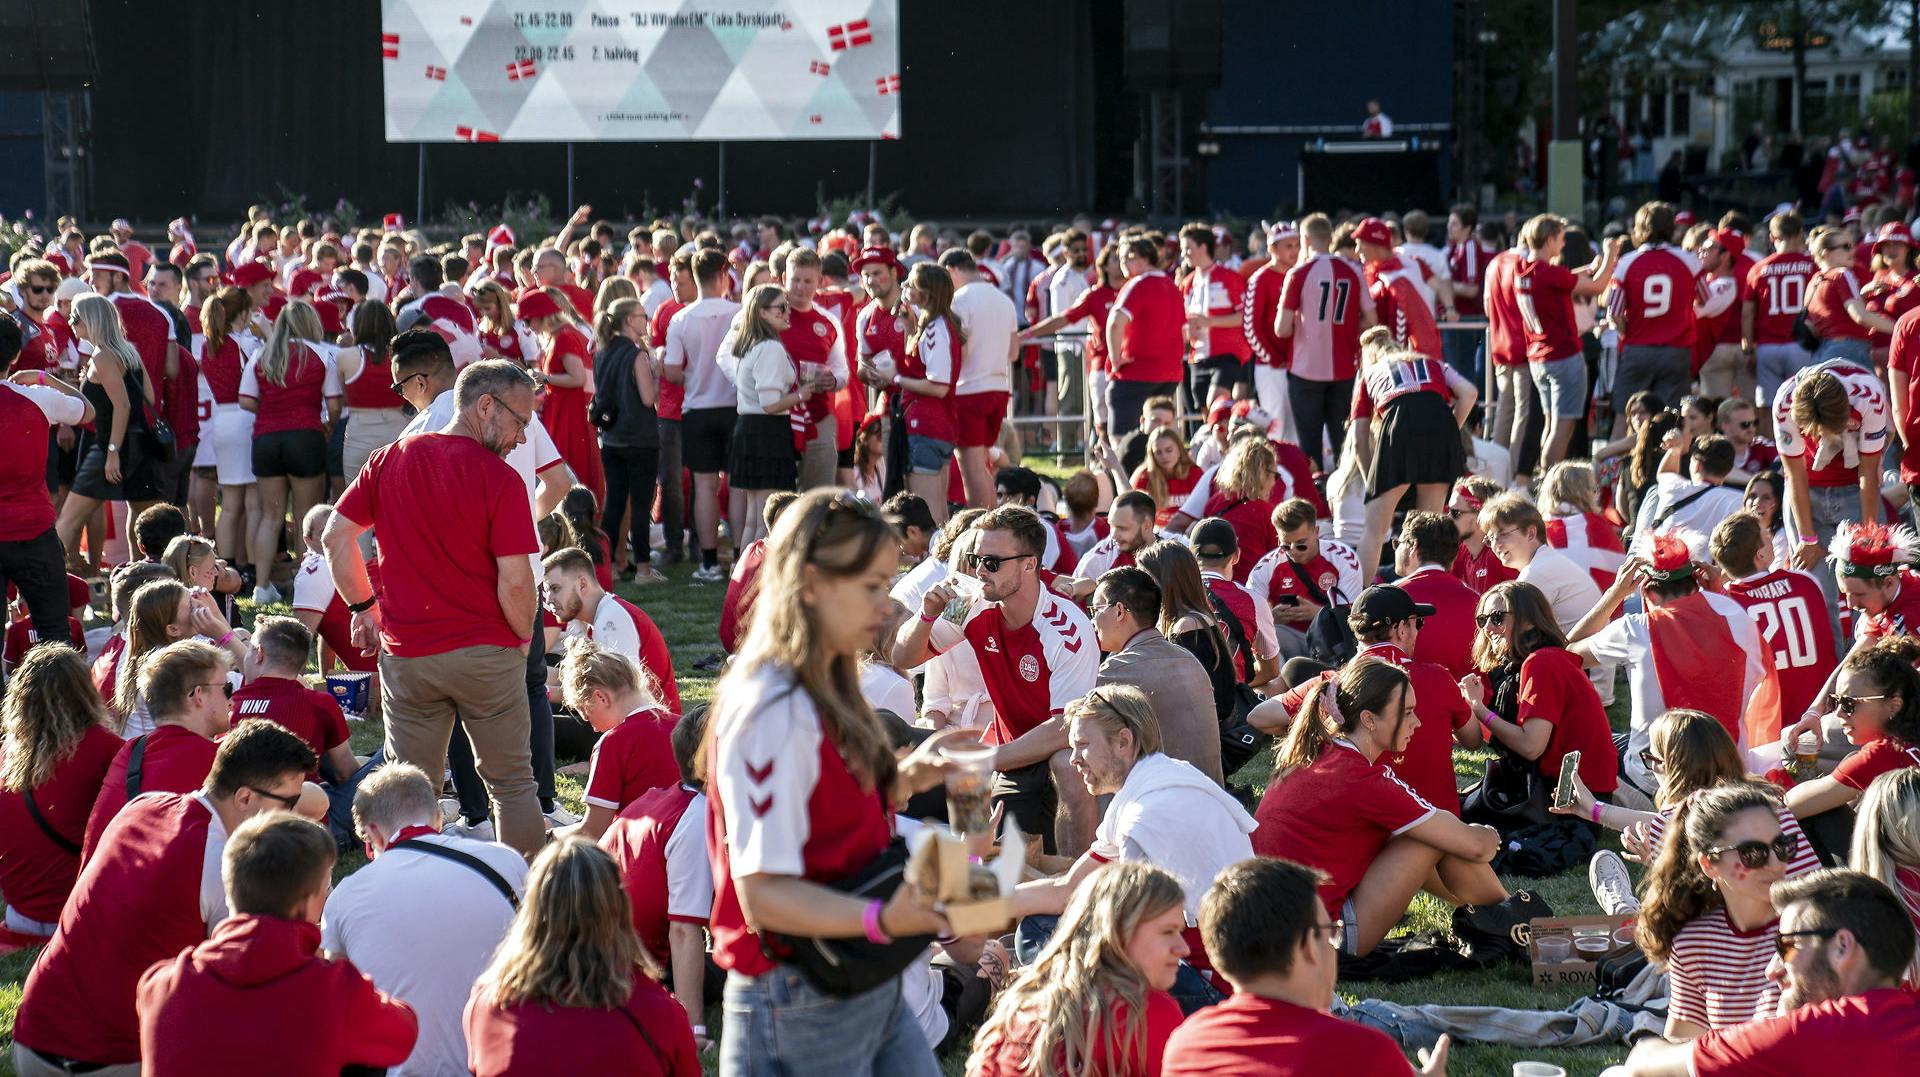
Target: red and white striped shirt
x=1326, y=294
x=1718, y=973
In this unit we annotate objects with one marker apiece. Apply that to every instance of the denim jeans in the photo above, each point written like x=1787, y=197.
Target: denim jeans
x=1190, y=989
x=1855, y=350
x=340, y=801
x=778, y=1024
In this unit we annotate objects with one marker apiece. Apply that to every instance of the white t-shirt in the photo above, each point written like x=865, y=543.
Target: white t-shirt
x=1064, y=289
x=693, y=344
x=1172, y=816
x=657, y=293
x=887, y=690
x=988, y=318
x=1570, y=589
x=424, y=928
x=1700, y=515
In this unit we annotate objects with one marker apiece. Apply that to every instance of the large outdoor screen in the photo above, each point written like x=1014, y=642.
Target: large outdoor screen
x=639, y=71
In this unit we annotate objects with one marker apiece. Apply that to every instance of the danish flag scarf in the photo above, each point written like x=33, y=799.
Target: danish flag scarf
x=1697, y=661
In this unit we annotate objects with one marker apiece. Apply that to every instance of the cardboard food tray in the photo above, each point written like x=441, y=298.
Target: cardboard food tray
x=1576, y=969
x=941, y=869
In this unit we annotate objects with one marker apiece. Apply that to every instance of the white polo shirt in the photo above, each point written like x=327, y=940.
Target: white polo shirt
x=988, y=318
x=693, y=344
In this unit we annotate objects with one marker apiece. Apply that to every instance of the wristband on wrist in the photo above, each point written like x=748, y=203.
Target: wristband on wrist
x=222, y=641
x=927, y=619
x=699, y=1030
x=361, y=607
x=875, y=933
x=1596, y=812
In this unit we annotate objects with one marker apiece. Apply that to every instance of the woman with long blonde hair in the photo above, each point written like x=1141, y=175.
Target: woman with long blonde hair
x=1886, y=841
x=1095, y=1002
x=571, y=989
x=767, y=387
x=1243, y=496
x=116, y=458
x=795, y=749
x=55, y=749
x=284, y=387
x=1168, y=474
x=612, y=290
x=502, y=335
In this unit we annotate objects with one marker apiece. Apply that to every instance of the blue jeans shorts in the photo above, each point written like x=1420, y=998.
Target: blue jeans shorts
x=928, y=456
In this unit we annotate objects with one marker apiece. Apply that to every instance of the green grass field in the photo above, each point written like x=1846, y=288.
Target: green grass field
x=687, y=615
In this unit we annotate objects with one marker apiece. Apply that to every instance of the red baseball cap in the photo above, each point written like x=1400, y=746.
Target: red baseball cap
x=1375, y=231
x=1728, y=240
x=535, y=303
x=248, y=274
x=1219, y=411
x=1684, y=219
x=1892, y=233
x=870, y=256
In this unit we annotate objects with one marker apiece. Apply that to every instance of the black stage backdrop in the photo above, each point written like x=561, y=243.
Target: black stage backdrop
x=205, y=108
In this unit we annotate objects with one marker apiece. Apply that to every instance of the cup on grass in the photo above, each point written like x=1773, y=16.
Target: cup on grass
x=1537, y=1069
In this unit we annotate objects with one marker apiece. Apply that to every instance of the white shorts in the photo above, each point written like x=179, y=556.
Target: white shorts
x=1270, y=390
x=232, y=444
x=1097, y=393
x=203, y=449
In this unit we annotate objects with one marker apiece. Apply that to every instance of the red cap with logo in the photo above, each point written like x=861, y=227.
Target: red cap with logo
x=1374, y=231
x=248, y=274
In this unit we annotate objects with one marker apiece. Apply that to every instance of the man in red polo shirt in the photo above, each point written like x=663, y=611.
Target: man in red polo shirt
x=1145, y=334
x=151, y=890
x=456, y=585
x=1424, y=556
x=261, y=978
x=813, y=337
x=550, y=270
x=185, y=686
x=1268, y=933
x=575, y=596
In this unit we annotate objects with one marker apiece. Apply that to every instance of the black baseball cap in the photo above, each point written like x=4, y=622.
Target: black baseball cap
x=1383, y=605
x=1214, y=538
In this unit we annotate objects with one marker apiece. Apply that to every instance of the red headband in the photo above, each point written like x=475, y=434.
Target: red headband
x=1460, y=491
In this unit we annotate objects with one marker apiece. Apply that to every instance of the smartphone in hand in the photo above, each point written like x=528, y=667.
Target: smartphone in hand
x=1563, y=793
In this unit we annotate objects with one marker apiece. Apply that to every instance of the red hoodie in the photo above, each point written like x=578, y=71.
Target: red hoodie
x=278, y=1007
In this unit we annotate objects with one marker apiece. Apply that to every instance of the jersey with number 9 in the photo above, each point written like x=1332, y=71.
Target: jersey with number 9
x=1654, y=292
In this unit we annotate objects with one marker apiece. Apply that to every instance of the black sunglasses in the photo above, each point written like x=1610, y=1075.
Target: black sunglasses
x=1488, y=620
x=1847, y=704
x=40, y=289
x=399, y=387
x=1650, y=760
x=1784, y=945
x=224, y=686
x=977, y=561
x=1754, y=853
x=284, y=801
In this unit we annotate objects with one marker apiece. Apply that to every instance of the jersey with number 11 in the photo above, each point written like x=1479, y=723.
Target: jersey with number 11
x=1790, y=611
x=1326, y=294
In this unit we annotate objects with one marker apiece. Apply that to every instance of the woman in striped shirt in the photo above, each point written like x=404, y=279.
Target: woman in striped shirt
x=1708, y=915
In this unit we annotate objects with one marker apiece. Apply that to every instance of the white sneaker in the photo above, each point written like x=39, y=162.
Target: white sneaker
x=449, y=811
x=710, y=574
x=1612, y=884
x=560, y=816
x=265, y=595
x=480, y=831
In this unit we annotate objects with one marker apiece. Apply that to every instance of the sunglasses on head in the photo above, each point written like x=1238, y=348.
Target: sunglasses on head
x=1490, y=618
x=1754, y=853
x=1847, y=704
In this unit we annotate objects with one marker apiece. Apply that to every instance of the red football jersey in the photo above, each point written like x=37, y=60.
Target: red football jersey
x=1506, y=327
x=1653, y=289
x=1789, y=609
x=1544, y=293
x=1778, y=288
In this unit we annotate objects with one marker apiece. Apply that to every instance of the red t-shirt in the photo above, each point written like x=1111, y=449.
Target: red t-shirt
x=1215, y=291
x=1446, y=638
x=1827, y=296
x=222, y=368
x=176, y=760
x=660, y=843
x=454, y=508
x=27, y=413
x=1901, y=616
x=1252, y=525
x=1874, y=1032
x=143, y=898
x=1260, y=311
x=295, y=405
x=1883, y=756
x=1903, y=356
x=673, y=394
x=1788, y=608
x=35, y=874
x=1336, y=814
x=1155, y=334
x=632, y=758
x=1010, y=1055
x=1094, y=305
x=21, y=637
x=42, y=343
x=1554, y=689
x=1177, y=491
x=1544, y=293
x=811, y=337
x=149, y=329
x=1467, y=264
x=281, y=1007
x=1326, y=294
x=1427, y=764
x=581, y=299
x=740, y=594
x=1248, y=1034
x=1506, y=327
x=1031, y=672
x=1777, y=287
x=1404, y=310
x=1654, y=290
x=533, y=1039
x=312, y=716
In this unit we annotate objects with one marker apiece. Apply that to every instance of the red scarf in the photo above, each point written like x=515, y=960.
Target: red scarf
x=1697, y=662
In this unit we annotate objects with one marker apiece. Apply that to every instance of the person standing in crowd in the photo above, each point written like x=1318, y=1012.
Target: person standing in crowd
x=814, y=342
x=261, y=973
x=1467, y=256
x=33, y=405
x=567, y=374
x=285, y=387
x=147, y=893
x=882, y=328
x=1654, y=286
x=1279, y=948
x=116, y=457
x=1090, y=311
x=58, y=751
x=1402, y=300
x=1094, y=1000
x=571, y=981
x=806, y=784
x=1145, y=335
x=1214, y=298
x=1836, y=312
x=692, y=361
x=768, y=388
x=417, y=919
x=1272, y=354
x=1775, y=294
x=628, y=377
x=1844, y=944
x=1324, y=306
x=226, y=319
x=1126, y=617
x=366, y=372
x=988, y=324
x=1545, y=292
x=1506, y=342
x=1036, y=652
x=924, y=378
x=1421, y=404
x=456, y=585
x=672, y=412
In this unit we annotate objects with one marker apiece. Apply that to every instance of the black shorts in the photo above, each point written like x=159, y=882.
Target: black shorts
x=1226, y=371
x=706, y=438
x=844, y=459
x=1030, y=799
x=295, y=454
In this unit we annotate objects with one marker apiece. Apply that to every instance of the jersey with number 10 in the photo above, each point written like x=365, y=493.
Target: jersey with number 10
x=1778, y=288
x=1789, y=609
x=1326, y=294
x=1654, y=290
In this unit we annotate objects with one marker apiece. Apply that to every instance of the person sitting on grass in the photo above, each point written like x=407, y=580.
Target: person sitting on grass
x=261, y=978
x=746, y=567
x=1280, y=951
x=1886, y=842
x=1877, y=695
x=1095, y=1001
x=1844, y=943
x=571, y=989
x=276, y=691
x=583, y=606
x=634, y=753
x=1335, y=806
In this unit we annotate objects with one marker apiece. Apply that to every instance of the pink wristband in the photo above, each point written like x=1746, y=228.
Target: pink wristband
x=871, y=919
x=927, y=619
x=1596, y=812
x=222, y=641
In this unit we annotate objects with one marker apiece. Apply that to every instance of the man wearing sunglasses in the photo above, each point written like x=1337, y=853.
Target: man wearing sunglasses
x=1739, y=424
x=1844, y=946
x=44, y=345
x=1037, y=653
x=151, y=889
x=1304, y=575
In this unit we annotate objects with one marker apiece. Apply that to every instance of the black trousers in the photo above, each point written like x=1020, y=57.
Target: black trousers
x=632, y=475
x=673, y=500
x=1126, y=400
x=1318, y=406
x=467, y=785
x=38, y=567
